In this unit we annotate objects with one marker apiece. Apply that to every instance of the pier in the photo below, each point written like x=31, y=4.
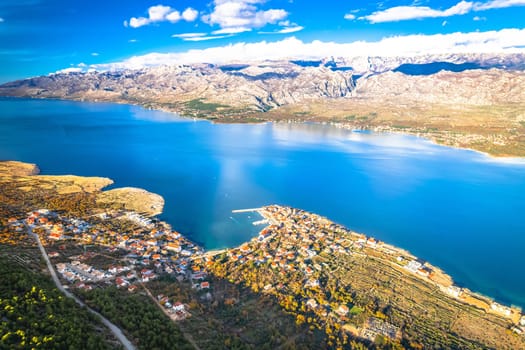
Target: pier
x=245, y=210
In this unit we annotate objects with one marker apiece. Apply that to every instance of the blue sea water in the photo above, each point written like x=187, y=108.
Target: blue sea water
x=457, y=209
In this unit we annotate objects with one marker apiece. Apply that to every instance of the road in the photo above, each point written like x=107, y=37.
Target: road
x=113, y=328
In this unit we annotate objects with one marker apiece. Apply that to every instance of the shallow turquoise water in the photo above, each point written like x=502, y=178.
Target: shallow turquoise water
x=455, y=208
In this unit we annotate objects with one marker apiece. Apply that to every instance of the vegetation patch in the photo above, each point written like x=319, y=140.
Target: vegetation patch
x=36, y=315
x=138, y=316
x=199, y=105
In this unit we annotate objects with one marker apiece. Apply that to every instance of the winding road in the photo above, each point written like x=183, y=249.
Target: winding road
x=112, y=327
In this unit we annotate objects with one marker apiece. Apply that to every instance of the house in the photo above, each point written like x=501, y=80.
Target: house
x=55, y=236
x=312, y=283
x=146, y=273
x=413, y=266
x=149, y=278
x=453, y=291
x=371, y=242
x=245, y=248
x=342, y=310
x=500, y=309
x=185, y=252
x=132, y=288
x=173, y=246
x=198, y=276
x=205, y=285
x=311, y=303
x=423, y=272
x=178, y=307
x=79, y=285
x=121, y=282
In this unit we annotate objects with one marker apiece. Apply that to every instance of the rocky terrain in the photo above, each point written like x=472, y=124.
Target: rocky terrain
x=255, y=87
x=475, y=101
x=83, y=191
x=133, y=199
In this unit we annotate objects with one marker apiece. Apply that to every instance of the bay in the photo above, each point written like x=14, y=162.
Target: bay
x=458, y=209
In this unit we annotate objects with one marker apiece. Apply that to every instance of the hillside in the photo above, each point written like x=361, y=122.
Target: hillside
x=471, y=101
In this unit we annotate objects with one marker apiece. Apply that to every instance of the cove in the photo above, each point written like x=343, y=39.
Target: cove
x=458, y=209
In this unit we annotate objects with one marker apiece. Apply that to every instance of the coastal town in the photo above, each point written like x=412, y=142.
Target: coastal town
x=129, y=260
x=300, y=258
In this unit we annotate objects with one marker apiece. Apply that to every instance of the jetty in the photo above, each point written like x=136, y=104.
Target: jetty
x=246, y=210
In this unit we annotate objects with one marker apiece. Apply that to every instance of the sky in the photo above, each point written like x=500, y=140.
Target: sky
x=39, y=37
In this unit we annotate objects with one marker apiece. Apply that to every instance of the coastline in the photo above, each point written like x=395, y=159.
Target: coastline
x=264, y=117
x=442, y=280
x=93, y=184
x=291, y=259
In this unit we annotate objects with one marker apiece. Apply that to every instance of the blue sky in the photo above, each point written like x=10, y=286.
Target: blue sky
x=42, y=36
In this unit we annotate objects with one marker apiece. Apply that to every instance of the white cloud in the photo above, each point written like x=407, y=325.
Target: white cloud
x=505, y=41
x=158, y=13
x=235, y=16
x=288, y=30
x=444, y=23
x=198, y=36
x=190, y=14
x=188, y=35
x=401, y=13
x=1, y=20
x=231, y=30
x=285, y=30
x=349, y=16
x=498, y=4
x=477, y=18
x=161, y=13
x=173, y=16
x=132, y=40
x=95, y=54
x=70, y=70
x=209, y=37
x=138, y=22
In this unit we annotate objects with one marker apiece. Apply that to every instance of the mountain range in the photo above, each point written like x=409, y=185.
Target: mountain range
x=475, y=94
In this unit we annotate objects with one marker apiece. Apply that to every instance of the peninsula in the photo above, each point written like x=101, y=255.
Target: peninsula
x=463, y=100
x=303, y=282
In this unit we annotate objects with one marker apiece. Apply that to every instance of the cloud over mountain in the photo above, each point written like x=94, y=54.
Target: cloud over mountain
x=505, y=41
